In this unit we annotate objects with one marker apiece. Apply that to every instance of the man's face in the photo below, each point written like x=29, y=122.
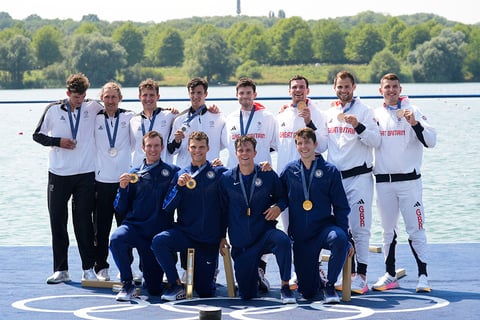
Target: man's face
x=305, y=147
x=197, y=96
x=245, y=153
x=298, y=90
x=110, y=99
x=76, y=99
x=153, y=148
x=246, y=96
x=149, y=98
x=344, y=89
x=198, y=150
x=390, y=90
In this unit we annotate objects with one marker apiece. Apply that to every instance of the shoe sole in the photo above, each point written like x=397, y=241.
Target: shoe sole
x=332, y=301
x=57, y=281
x=423, y=290
x=387, y=287
x=289, y=301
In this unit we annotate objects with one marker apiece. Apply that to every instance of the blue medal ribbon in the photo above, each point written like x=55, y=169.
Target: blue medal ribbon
x=73, y=127
x=345, y=110
x=244, y=131
x=306, y=189
x=111, y=139
x=244, y=192
x=191, y=116
x=152, y=121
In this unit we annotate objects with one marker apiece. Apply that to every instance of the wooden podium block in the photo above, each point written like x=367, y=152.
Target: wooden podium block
x=100, y=284
x=227, y=263
x=347, y=280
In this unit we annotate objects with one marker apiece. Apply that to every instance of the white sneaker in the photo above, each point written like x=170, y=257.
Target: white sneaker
x=89, y=274
x=102, y=275
x=359, y=285
x=422, y=285
x=58, y=277
x=385, y=282
x=128, y=292
x=293, y=282
x=138, y=278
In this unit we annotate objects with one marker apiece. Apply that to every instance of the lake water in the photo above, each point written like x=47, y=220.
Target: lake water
x=451, y=188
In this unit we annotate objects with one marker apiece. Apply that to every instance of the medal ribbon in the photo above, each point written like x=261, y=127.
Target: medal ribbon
x=73, y=127
x=244, y=131
x=252, y=187
x=146, y=167
x=345, y=110
x=111, y=139
x=196, y=173
x=152, y=121
x=399, y=105
x=306, y=189
x=191, y=116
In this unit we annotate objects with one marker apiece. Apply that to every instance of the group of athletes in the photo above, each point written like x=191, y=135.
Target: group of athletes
x=159, y=174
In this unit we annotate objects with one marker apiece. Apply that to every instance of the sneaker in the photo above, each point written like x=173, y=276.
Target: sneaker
x=89, y=274
x=58, y=277
x=293, y=282
x=422, y=285
x=287, y=295
x=138, y=278
x=359, y=286
x=386, y=282
x=339, y=285
x=128, y=291
x=176, y=292
x=102, y=275
x=330, y=294
x=263, y=284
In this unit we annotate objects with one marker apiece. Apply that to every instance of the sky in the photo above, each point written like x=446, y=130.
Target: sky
x=162, y=10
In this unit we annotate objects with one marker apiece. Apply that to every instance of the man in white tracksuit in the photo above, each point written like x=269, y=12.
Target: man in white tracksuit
x=404, y=132
x=352, y=135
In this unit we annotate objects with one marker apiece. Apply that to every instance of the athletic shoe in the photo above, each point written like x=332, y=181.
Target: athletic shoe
x=422, y=285
x=58, y=277
x=293, y=282
x=287, y=295
x=102, y=275
x=359, y=286
x=138, y=278
x=330, y=294
x=127, y=292
x=89, y=274
x=263, y=284
x=176, y=292
x=385, y=282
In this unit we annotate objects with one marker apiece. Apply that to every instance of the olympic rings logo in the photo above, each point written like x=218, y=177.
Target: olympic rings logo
x=189, y=309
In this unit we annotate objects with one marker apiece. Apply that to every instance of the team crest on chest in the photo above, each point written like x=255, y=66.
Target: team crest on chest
x=258, y=182
x=165, y=172
x=318, y=173
x=210, y=174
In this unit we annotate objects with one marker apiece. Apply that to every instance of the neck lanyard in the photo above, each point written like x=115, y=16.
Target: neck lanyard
x=73, y=127
x=398, y=106
x=345, y=110
x=191, y=116
x=111, y=139
x=306, y=189
x=200, y=169
x=145, y=168
x=244, y=131
x=152, y=121
x=244, y=191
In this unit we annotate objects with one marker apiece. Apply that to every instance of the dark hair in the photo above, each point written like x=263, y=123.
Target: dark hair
x=152, y=134
x=298, y=77
x=197, y=82
x=244, y=139
x=148, y=84
x=343, y=75
x=306, y=133
x=246, y=82
x=390, y=76
x=78, y=83
x=198, y=135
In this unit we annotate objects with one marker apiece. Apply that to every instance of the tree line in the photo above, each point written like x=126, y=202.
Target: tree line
x=41, y=53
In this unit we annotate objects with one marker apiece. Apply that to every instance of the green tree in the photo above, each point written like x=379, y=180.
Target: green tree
x=393, y=28
x=170, y=50
x=46, y=44
x=16, y=57
x=383, y=62
x=208, y=55
x=363, y=42
x=98, y=57
x=131, y=39
x=247, y=40
x=440, y=59
x=472, y=58
x=411, y=37
x=328, y=42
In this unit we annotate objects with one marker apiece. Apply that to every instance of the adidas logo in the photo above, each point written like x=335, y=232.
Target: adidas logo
x=361, y=201
x=417, y=204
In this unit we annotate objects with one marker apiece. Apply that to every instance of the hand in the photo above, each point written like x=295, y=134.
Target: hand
x=410, y=117
x=179, y=135
x=351, y=119
x=174, y=110
x=67, y=143
x=125, y=180
x=213, y=109
x=272, y=213
x=223, y=244
x=217, y=162
x=183, y=179
x=306, y=115
x=266, y=166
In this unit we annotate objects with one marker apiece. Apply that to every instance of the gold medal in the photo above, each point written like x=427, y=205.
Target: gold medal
x=133, y=178
x=191, y=184
x=301, y=105
x=248, y=212
x=341, y=117
x=400, y=113
x=307, y=205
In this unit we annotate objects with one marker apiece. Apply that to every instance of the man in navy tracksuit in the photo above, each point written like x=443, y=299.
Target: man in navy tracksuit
x=318, y=216
x=196, y=198
x=139, y=203
x=252, y=200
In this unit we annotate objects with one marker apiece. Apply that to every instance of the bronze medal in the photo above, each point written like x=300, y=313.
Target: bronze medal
x=301, y=105
x=341, y=117
x=191, y=184
x=133, y=178
x=307, y=205
x=400, y=113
